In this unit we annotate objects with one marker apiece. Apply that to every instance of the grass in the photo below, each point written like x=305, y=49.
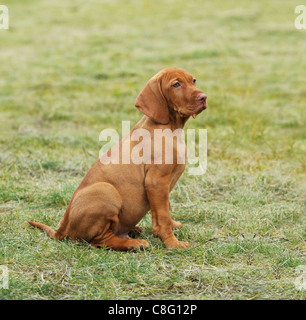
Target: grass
x=70, y=70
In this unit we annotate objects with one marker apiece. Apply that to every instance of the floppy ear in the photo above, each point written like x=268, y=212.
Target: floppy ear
x=152, y=102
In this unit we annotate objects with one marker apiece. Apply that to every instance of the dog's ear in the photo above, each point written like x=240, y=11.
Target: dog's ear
x=152, y=102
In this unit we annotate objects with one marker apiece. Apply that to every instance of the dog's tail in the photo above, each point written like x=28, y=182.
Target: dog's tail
x=50, y=232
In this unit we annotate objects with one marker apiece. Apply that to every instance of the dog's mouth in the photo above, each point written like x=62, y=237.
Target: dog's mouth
x=199, y=110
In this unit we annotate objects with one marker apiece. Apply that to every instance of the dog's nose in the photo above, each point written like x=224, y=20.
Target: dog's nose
x=202, y=97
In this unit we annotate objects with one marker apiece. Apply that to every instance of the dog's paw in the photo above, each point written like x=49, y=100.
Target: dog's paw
x=138, y=244
x=183, y=244
x=178, y=244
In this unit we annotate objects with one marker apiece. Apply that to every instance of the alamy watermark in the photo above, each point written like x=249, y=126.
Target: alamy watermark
x=160, y=146
x=4, y=277
x=4, y=17
x=300, y=280
x=300, y=20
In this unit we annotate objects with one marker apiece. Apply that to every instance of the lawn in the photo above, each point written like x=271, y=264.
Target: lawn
x=70, y=69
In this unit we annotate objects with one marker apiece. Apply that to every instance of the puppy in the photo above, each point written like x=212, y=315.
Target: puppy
x=114, y=197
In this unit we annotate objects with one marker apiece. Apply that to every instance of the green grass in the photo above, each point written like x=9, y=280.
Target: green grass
x=69, y=70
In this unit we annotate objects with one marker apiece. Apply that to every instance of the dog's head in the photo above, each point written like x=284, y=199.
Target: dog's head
x=171, y=89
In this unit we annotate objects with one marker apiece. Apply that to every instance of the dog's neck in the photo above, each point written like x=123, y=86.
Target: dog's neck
x=176, y=120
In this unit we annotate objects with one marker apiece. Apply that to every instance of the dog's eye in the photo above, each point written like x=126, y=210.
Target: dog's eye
x=177, y=84
x=194, y=81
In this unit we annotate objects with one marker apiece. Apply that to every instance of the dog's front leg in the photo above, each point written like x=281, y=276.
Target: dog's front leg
x=157, y=189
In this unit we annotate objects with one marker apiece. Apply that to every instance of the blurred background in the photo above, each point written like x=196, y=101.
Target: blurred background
x=70, y=69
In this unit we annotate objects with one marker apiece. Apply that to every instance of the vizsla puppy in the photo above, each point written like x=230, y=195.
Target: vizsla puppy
x=114, y=197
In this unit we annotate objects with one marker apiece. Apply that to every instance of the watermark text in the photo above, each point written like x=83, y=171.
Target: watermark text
x=300, y=20
x=158, y=146
x=4, y=277
x=4, y=17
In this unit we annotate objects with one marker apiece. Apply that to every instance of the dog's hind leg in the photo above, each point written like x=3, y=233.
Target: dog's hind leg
x=94, y=215
x=110, y=240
